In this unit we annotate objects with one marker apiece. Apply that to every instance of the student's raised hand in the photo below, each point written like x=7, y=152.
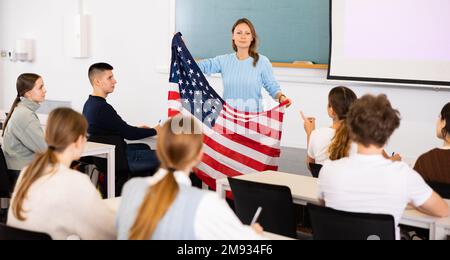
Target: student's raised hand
x=258, y=229
x=309, y=123
x=396, y=158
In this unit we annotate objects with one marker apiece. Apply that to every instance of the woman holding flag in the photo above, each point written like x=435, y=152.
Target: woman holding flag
x=245, y=72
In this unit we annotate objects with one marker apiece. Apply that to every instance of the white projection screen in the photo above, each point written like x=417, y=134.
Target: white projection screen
x=395, y=41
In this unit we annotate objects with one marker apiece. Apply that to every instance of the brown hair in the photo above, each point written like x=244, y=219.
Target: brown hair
x=340, y=99
x=64, y=127
x=97, y=68
x=25, y=83
x=372, y=120
x=253, y=52
x=445, y=115
x=176, y=150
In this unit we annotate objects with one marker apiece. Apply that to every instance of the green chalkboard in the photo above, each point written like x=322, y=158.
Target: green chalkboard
x=289, y=30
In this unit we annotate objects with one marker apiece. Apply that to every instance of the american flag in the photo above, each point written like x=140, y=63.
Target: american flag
x=235, y=142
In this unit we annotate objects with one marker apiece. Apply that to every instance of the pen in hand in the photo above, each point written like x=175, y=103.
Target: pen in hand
x=257, y=214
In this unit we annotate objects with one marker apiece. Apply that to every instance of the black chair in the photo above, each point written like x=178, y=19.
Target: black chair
x=10, y=233
x=315, y=169
x=123, y=172
x=278, y=212
x=5, y=185
x=442, y=189
x=330, y=224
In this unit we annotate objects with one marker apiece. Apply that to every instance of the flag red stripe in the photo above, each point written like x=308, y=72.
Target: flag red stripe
x=236, y=156
x=173, y=112
x=240, y=139
x=211, y=162
x=260, y=129
x=173, y=95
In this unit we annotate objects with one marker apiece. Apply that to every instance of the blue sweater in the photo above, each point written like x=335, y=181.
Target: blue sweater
x=104, y=120
x=243, y=82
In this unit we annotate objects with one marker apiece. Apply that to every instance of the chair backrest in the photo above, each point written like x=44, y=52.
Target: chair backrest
x=330, y=224
x=278, y=212
x=5, y=186
x=315, y=169
x=442, y=189
x=10, y=233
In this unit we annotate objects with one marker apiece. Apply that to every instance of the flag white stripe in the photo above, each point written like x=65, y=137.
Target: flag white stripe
x=174, y=87
x=175, y=105
x=210, y=171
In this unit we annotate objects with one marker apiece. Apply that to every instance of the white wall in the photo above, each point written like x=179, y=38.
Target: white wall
x=131, y=35
x=134, y=36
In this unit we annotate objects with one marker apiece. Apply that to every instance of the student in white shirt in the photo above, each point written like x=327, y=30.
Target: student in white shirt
x=53, y=199
x=367, y=182
x=167, y=207
x=331, y=142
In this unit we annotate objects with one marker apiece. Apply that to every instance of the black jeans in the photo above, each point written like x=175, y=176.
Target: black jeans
x=141, y=158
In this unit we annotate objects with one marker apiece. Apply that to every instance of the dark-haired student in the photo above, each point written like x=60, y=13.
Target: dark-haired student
x=167, y=207
x=434, y=166
x=23, y=135
x=53, y=199
x=331, y=143
x=105, y=121
x=367, y=182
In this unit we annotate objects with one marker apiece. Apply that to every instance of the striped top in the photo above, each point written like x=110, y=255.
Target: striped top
x=242, y=81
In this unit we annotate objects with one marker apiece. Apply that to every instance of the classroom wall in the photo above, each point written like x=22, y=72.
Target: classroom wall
x=135, y=37
x=131, y=35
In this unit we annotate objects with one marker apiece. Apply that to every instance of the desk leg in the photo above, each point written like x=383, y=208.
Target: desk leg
x=111, y=180
x=220, y=189
x=4, y=203
x=440, y=233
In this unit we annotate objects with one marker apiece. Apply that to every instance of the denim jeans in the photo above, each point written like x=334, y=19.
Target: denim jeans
x=141, y=158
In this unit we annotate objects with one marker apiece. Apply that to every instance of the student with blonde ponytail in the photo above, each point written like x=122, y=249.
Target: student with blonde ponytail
x=23, y=136
x=331, y=142
x=165, y=206
x=50, y=197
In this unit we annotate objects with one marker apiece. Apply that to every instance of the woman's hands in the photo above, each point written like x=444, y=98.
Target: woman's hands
x=282, y=98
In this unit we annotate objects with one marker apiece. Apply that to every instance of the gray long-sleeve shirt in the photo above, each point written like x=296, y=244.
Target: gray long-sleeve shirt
x=24, y=136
